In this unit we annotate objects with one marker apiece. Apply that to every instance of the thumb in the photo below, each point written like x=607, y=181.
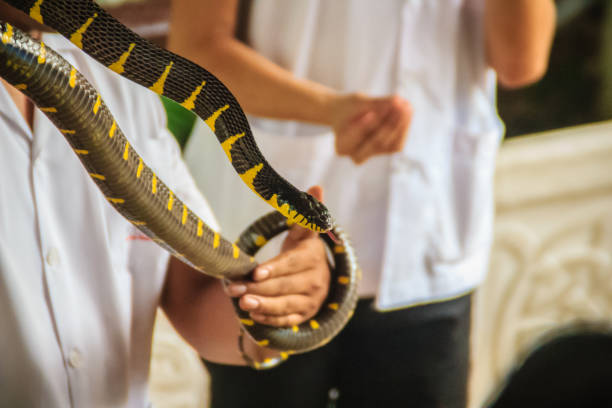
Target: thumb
x=316, y=192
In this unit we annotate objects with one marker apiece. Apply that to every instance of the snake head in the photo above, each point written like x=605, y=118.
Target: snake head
x=316, y=216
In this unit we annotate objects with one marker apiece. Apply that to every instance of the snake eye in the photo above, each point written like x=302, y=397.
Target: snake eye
x=317, y=213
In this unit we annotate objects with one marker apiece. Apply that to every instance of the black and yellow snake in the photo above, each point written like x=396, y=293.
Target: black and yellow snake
x=78, y=111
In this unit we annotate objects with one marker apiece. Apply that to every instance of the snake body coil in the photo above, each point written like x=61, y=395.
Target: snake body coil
x=134, y=190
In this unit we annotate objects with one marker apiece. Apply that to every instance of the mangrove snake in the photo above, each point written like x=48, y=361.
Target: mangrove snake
x=76, y=108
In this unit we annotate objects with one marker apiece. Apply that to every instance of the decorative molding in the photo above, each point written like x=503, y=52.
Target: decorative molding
x=550, y=166
x=177, y=378
x=552, y=255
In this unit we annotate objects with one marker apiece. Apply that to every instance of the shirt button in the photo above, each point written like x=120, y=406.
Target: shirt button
x=75, y=359
x=333, y=394
x=52, y=257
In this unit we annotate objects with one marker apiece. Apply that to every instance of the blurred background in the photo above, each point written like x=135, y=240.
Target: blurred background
x=552, y=259
x=577, y=88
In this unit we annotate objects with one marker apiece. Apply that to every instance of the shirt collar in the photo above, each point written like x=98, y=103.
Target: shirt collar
x=57, y=42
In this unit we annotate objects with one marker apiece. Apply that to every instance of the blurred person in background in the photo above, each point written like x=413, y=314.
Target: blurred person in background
x=79, y=284
x=390, y=106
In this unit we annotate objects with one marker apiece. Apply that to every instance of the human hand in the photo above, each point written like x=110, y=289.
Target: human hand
x=288, y=289
x=367, y=126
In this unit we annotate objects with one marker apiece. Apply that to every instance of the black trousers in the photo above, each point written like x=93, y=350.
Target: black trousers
x=415, y=357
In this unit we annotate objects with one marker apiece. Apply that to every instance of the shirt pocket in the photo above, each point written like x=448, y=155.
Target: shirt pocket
x=465, y=206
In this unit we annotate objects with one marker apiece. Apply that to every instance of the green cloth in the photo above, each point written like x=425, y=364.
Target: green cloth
x=180, y=120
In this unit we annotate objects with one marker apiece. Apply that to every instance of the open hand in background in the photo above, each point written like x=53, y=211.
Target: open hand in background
x=290, y=288
x=366, y=126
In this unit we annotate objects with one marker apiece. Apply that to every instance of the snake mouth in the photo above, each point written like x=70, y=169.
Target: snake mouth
x=324, y=219
x=319, y=223
x=308, y=212
x=321, y=220
x=327, y=223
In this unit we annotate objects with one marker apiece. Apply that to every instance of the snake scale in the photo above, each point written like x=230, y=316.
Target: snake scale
x=78, y=111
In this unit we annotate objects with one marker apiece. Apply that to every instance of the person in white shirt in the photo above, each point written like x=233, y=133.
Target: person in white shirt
x=348, y=78
x=79, y=285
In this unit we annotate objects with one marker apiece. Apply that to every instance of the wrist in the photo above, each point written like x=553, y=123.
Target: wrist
x=256, y=356
x=338, y=106
x=326, y=103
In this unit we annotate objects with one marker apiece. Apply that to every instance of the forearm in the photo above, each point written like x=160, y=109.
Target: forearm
x=518, y=35
x=364, y=126
x=203, y=315
x=262, y=87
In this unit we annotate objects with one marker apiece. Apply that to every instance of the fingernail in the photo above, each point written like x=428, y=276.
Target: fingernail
x=257, y=316
x=236, y=290
x=261, y=273
x=249, y=303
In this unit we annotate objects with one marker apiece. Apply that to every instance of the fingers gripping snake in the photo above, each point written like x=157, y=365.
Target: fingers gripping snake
x=78, y=111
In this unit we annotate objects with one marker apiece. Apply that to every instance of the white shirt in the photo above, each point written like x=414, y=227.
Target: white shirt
x=78, y=288
x=420, y=220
